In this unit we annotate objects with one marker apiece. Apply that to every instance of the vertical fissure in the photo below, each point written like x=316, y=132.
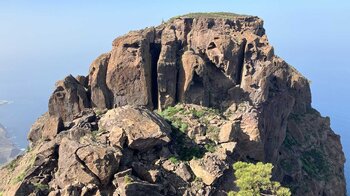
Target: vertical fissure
x=241, y=64
x=155, y=52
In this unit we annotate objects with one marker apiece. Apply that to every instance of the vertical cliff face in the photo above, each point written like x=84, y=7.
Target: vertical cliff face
x=204, y=62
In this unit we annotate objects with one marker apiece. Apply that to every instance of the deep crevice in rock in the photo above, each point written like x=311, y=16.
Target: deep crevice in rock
x=155, y=49
x=241, y=64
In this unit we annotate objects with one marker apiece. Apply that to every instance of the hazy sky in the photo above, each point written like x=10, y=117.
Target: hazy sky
x=41, y=42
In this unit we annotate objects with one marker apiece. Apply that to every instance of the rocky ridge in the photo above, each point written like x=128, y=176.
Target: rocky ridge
x=221, y=95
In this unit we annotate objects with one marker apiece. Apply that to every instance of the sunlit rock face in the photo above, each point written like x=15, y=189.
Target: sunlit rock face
x=222, y=95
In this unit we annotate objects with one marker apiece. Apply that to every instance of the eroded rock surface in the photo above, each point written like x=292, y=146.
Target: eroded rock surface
x=222, y=96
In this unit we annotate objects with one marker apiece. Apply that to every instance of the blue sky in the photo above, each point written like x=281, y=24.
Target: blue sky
x=42, y=41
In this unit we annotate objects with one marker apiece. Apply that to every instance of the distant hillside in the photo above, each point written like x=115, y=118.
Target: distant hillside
x=7, y=149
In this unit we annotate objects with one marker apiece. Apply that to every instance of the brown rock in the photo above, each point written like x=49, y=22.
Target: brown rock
x=228, y=147
x=70, y=167
x=167, y=69
x=35, y=132
x=227, y=132
x=145, y=172
x=210, y=168
x=193, y=80
x=183, y=171
x=218, y=60
x=69, y=98
x=143, y=128
x=100, y=161
x=129, y=69
x=129, y=185
x=52, y=127
x=101, y=96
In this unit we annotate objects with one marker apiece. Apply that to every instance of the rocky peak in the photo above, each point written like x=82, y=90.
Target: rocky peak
x=222, y=96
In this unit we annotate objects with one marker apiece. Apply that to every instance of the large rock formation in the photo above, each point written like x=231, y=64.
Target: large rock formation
x=235, y=100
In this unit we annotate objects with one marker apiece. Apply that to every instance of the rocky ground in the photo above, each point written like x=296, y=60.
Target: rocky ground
x=170, y=109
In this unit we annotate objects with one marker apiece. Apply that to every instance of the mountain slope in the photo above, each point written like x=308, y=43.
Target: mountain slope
x=7, y=149
x=222, y=95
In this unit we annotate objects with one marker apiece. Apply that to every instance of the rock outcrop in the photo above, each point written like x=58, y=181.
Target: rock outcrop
x=221, y=96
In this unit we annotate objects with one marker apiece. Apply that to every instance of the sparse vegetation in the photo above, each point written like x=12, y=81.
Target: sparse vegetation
x=12, y=165
x=210, y=147
x=169, y=112
x=19, y=178
x=99, y=112
x=223, y=15
x=197, y=179
x=289, y=141
x=286, y=165
x=181, y=117
x=41, y=187
x=213, y=132
x=185, y=148
x=183, y=128
x=28, y=149
x=197, y=113
x=315, y=164
x=174, y=160
x=128, y=179
x=255, y=179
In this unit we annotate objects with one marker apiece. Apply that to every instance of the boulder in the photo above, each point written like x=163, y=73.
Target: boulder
x=52, y=127
x=183, y=172
x=143, y=128
x=129, y=185
x=70, y=167
x=87, y=164
x=35, y=132
x=101, y=161
x=227, y=132
x=69, y=98
x=145, y=172
x=210, y=168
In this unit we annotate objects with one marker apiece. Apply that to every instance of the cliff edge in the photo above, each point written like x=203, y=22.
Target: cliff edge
x=170, y=108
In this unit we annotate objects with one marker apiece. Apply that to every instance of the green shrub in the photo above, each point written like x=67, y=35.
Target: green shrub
x=170, y=112
x=174, y=160
x=128, y=179
x=41, y=187
x=198, y=113
x=255, y=179
x=183, y=127
x=210, y=147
